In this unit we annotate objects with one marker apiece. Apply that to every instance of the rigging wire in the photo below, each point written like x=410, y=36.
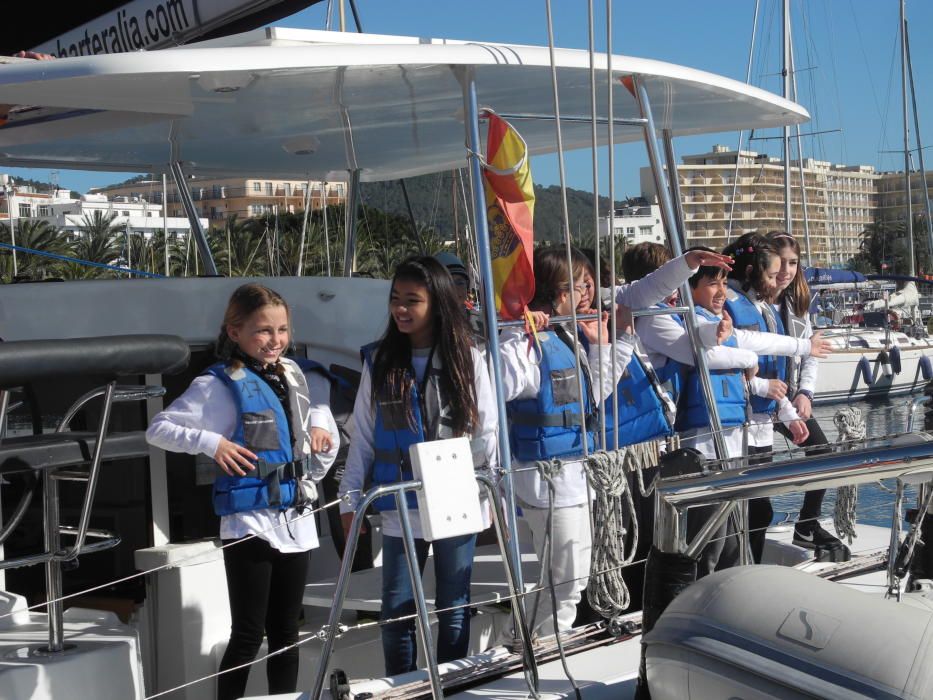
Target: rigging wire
x=738, y=148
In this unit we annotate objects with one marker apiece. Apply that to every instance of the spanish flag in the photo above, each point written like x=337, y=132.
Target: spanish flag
x=510, y=205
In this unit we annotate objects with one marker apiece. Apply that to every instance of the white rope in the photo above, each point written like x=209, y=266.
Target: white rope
x=851, y=426
x=607, y=593
x=607, y=474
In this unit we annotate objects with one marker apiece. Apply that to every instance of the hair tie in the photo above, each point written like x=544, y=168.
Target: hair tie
x=749, y=249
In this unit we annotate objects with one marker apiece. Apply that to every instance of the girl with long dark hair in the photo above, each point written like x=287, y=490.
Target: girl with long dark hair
x=423, y=380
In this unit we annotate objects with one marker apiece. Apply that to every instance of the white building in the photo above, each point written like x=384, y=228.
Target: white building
x=636, y=223
x=135, y=215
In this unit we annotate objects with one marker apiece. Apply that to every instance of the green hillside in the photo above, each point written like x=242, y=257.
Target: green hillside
x=431, y=197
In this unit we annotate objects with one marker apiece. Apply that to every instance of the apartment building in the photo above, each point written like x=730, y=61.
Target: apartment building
x=892, y=195
x=727, y=193
x=219, y=198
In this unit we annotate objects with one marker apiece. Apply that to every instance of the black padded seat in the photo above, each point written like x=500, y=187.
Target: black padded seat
x=55, y=450
x=25, y=361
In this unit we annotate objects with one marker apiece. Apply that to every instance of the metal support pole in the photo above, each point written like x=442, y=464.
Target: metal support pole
x=210, y=268
x=349, y=243
x=673, y=226
x=53, y=567
x=93, y=472
x=471, y=112
x=571, y=119
x=670, y=160
x=665, y=535
x=723, y=511
x=329, y=632
x=8, y=189
x=530, y=666
x=165, y=222
x=414, y=571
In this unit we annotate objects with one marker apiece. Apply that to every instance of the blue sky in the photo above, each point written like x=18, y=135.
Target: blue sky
x=846, y=55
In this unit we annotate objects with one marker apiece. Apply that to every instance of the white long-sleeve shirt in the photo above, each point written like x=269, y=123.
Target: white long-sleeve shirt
x=664, y=338
x=521, y=379
x=809, y=366
x=656, y=286
x=195, y=422
x=363, y=426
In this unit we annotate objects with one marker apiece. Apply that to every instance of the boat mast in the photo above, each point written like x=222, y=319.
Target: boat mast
x=923, y=170
x=912, y=266
x=785, y=93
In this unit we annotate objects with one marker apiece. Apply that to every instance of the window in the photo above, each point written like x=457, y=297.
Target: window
x=630, y=229
x=125, y=213
x=257, y=187
x=214, y=213
x=25, y=210
x=269, y=189
x=288, y=189
x=45, y=210
x=216, y=192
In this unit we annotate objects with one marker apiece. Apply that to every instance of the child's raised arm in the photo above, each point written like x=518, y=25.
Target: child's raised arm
x=660, y=284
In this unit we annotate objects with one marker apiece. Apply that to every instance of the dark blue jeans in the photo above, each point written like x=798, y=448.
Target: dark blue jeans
x=453, y=565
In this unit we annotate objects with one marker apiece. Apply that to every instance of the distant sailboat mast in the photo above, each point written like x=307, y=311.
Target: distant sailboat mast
x=911, y=262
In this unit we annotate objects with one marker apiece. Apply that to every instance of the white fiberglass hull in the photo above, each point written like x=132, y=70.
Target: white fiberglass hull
x=857, y=369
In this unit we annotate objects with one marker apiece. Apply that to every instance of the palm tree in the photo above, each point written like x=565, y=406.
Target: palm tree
x=37, y=234
x=97, y=241
x=885, y=244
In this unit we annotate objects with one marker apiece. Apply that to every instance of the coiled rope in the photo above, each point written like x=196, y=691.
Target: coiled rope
x=607, y=473
x=851, y=426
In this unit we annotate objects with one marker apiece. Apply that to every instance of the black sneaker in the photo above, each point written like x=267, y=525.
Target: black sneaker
x=812, y=536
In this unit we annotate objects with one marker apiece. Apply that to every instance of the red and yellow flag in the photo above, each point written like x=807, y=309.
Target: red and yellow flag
x=510, y=205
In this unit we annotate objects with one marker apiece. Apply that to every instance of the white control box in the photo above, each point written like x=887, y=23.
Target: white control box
x=448, y=502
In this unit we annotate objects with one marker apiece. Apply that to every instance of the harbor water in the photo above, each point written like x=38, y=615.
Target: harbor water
x=882, y=417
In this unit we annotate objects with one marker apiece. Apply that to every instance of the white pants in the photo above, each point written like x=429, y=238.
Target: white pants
x=571, y=543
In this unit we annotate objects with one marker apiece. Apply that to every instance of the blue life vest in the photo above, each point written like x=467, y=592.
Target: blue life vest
x=263, y=428
x=671, y=375
x=553, y=424
x=392, y=437
x=728, y=389
x=746, y=316
x=643, y=413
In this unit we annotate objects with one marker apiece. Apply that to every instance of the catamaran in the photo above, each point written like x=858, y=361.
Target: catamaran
x=313, y=104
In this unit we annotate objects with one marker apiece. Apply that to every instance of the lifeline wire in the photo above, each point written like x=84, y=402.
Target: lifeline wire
x=173, y=565
x=343, y=629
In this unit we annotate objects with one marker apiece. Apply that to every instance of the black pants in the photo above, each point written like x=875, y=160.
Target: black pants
x=760, y=512
x=265, y=588
x=816, y=444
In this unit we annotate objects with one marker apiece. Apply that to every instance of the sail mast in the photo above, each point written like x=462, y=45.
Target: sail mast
x=912, y=266
x=785, y=93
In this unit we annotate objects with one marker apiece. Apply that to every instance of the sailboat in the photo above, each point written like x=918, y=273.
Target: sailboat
x=381, y=107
